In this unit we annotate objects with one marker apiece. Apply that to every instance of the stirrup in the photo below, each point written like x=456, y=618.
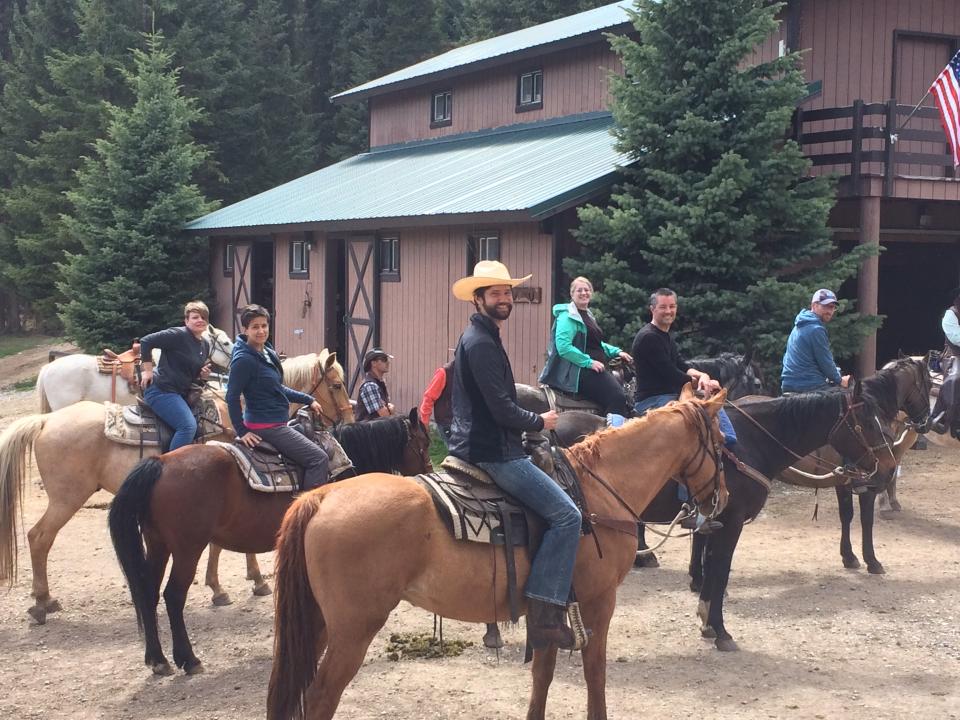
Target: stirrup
x=701, y=524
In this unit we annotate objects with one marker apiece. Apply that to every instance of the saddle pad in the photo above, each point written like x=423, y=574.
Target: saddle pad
x=119, y=430
x=476, y=511
x=281, y=477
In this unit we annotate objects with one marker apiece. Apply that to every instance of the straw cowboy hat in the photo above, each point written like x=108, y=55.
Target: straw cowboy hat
x=485, y=274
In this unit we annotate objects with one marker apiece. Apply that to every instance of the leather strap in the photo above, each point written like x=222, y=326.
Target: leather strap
x=627, y=527
x=747, y=470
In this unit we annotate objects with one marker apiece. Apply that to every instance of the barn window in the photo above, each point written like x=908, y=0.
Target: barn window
x=390, y=258
x=228, y=260
x=530, y=91
x=482, y=246
x=441, y=109
x=300, y=256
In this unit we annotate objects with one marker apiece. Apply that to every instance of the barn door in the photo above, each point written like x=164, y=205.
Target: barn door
x=363, y=304
x=240, y=281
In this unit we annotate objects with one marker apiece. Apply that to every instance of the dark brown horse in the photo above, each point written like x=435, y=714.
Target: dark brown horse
x=350, y=552
x=179, y=502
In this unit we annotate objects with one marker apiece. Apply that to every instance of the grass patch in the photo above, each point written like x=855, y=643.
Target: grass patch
x=12, y=344
x=28, y=384
x=405, y=646
x=438, y=448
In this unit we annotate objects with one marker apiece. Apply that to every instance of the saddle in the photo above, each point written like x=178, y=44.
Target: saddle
x=561, y=401
x=139, y=425
x=123, y=365
x=267, y=470
x=475, y=509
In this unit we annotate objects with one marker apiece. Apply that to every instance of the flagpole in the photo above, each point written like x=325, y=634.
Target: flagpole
x=894, y=136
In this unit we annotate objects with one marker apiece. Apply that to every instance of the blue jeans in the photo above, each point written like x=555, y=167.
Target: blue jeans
x=551, y=571
x=174, y=411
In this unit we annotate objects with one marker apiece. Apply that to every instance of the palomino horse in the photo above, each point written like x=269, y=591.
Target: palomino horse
x=75, y=459
x=179, y=502
x=903, y=385
x=348, y=553
x=72, y=378
x=772, y=433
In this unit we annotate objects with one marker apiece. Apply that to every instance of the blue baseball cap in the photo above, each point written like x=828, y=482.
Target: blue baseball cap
x=825, y=297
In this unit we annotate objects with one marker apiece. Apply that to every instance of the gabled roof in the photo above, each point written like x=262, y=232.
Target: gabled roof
x=521, y=172
x=563, y=32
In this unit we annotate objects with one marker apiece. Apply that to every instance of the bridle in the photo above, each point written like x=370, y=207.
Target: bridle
x=216, y=342
x=423, y=454
x=923, y=399
x=332, y=385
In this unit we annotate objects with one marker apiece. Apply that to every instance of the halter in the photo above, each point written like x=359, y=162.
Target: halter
x=321, y=377
x=216, y=342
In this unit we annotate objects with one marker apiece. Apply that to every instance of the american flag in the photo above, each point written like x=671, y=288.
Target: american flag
x=946, y=90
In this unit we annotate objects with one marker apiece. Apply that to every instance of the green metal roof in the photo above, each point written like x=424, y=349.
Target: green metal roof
x=565, y=28
x=533, y=170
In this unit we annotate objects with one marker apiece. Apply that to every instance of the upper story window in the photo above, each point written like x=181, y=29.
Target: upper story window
x=300, y=256
x=482, y=246
x=228, y=259
x=390, y=258
x=441, y=108
x=530, y=90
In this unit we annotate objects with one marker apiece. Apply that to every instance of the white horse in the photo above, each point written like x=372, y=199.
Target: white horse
x=73, y=378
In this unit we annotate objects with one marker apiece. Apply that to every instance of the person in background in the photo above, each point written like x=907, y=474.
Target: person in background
x=577, y=357
x=257, y=376
x=945, y=415
x=808, y=363
x=185, y=359
x=373, y=399
x=438, y=401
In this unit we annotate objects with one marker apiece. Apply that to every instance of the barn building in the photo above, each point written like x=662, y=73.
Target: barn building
x=486, y=151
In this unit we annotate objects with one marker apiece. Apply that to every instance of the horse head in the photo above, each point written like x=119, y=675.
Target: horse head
x=416, y=453
x=861, y=435
x=329, y=389
x=221, y=347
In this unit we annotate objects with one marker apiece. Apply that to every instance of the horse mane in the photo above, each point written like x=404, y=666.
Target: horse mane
x=299, y=371
x=375, y=445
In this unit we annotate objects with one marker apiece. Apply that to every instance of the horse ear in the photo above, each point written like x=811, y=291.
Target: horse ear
x=715, y=404
x=747, y=357
x=414, y=417
x=900, y=355
x=687, y=392
x=857, y=390
x=328, y=363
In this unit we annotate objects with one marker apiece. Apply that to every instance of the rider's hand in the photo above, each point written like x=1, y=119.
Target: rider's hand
x=205, y=371
x=316, y=408
x=390, y=408
x=845, y=381
x=596, y=366
x=146, y=377
x=251, y=440
x=549, y=419
x=707, y=385
x=626, y=356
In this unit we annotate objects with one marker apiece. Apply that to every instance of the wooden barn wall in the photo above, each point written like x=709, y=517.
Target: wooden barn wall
x=221, y=284
x=421, y=321
x=848, y=46
x=299, y=301
x=574, y=81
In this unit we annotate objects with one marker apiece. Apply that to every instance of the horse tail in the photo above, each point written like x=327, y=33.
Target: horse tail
x=298, y=620
x=127, y=513
x=41, y=393
x=16, y=442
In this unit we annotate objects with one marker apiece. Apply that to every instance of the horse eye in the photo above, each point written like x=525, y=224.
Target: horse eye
x=336, y=386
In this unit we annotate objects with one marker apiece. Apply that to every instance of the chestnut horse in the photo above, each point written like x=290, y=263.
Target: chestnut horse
x=348, y=553
x=75, y=459
x=179, y=502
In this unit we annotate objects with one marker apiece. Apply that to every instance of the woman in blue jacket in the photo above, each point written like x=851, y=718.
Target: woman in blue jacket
x=576, y=362
x=256, y=374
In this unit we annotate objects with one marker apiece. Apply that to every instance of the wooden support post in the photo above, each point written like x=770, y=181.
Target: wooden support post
x=856, y=148
x=868, y=282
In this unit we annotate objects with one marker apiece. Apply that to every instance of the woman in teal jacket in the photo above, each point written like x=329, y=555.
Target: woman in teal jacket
x=576, y=362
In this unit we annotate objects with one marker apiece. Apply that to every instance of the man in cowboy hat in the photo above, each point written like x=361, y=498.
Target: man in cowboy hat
x=486, y=431
x=808, y=362
x=373, y=400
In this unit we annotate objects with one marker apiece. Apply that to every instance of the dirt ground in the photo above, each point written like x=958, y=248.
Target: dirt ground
x=817, y=641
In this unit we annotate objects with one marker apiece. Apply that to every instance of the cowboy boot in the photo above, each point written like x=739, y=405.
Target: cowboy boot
x=546, y=626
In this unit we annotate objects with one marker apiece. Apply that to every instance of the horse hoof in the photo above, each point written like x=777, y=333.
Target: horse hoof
x=726, y=645
x=38, y=614
x=708, y=632
x=851, y=563
x=492, y=640
x=194, y=669
x=876, y=569
x=222, y=599
x=695, y=586
x=646, y=560
x=896, y=506
x=162, y=669
x=262, y=590
x=53, y=606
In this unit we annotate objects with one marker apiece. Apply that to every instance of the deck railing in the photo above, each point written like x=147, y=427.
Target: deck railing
x=865, y=129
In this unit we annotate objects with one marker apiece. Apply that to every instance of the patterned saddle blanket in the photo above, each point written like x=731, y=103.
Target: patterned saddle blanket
x=138, y=425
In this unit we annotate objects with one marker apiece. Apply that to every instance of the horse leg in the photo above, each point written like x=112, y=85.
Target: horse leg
x=157, y=556
x=845, y=505
x=596, y=616
x=40, y=538
x=261, y=587
x=544, y=663
x=184, y=569
x=492, y=638
x=867, y=504
x=891, y=492
x=644, y=559
x=212, y=580
x=695, y=569
x=721, y=546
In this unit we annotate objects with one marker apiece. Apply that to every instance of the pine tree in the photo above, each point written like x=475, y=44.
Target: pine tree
x=716, y=203
x=136, y=267
x=488, y=18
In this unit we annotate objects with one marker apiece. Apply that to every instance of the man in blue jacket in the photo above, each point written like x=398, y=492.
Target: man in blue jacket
x=808, y=362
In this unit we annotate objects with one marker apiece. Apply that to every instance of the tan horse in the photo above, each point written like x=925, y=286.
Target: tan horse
x=348, y=553
x=75, y=459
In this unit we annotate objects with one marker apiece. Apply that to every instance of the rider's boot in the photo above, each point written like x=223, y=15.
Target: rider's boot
x=546, y=626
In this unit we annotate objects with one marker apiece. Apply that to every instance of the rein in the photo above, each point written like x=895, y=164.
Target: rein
x=322, y=378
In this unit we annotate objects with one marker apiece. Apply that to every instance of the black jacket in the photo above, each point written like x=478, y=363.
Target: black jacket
x=182, y=360
x=660, y=370
x=487, y=422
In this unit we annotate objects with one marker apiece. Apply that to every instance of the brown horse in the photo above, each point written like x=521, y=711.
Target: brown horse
x=75, y=459
x=348, y=553
x=179, y=502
